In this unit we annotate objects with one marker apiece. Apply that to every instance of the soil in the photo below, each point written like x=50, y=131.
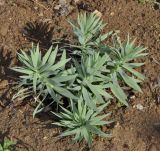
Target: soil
x=136, y=128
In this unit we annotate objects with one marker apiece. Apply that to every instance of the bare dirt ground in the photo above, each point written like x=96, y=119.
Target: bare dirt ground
x=137, y=128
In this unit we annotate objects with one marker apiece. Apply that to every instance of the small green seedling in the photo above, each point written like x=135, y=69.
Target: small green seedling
x=6, y=145
x=82, y=122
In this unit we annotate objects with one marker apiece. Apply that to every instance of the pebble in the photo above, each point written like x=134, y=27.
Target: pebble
x=45, y=137
x=112, y=13
x=35, y=7
x=117, y=125
x=133, y=97
x=77, y=1
x=99, y=14
x=139, y=107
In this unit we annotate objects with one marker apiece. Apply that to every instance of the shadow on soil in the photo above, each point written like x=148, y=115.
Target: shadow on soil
x=22, y=145
x=6, y=77
x=150, y=130
x=5, y=62
x=39, y=32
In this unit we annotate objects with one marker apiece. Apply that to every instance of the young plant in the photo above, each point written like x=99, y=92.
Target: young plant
x=88, y=30
x=44, y=75
x=123, y=67
x=92, y=79
x=97, y=75
x=6, y=145
x=118, y=59
x=82, y=122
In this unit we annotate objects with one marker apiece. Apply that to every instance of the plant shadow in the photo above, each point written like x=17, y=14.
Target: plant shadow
x=21, y=144
x=5, y=62
x=39, y=32
x=2, y=136
x=156, y=5
x=6, y=77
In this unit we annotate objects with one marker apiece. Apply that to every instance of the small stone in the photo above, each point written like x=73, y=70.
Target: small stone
x=112, y=13
x=77, y=1
x=139, y=106
x=133, y=97
x=99, y=14
x=117, y=125
x=35, y=7
x=44, y=137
